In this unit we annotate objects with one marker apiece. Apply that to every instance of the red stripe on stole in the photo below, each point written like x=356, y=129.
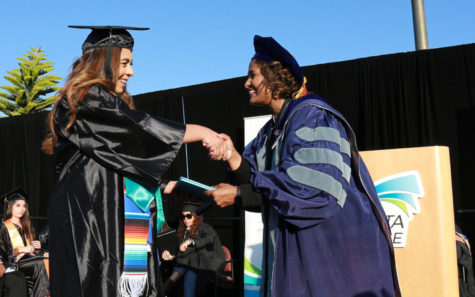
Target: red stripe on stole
x=140, y=228
x=143, y=232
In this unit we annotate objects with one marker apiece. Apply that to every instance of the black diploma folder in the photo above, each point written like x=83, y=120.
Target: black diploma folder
x=167, y=240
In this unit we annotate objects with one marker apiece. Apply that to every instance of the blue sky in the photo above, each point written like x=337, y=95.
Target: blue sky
x=193, y=42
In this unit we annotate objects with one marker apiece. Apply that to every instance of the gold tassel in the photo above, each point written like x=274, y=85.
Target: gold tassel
x=303, y=89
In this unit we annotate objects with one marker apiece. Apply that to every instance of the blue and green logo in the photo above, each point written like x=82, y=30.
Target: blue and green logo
x=399, y=194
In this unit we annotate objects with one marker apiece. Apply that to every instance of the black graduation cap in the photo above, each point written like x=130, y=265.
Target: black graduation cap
x=268, y=50
x=108, y=37
x=197, y=208
x=13, y=195
x=190, y=206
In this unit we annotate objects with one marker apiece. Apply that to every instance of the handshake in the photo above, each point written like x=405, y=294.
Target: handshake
x=219, y=146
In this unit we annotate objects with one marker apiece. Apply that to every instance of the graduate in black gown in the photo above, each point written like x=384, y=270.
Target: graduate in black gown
x=200, y=255
x=99, y=139
x=17, y=244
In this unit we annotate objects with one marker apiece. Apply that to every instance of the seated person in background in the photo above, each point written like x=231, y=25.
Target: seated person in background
x=16, y=236
x=200, y=254
x=12, y=282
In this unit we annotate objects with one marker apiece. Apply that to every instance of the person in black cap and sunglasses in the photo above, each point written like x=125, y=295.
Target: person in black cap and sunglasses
x=200, y=254
x=325, y=231
x=100, y=142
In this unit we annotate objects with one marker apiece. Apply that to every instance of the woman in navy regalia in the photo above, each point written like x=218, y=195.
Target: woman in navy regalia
x=325, y=231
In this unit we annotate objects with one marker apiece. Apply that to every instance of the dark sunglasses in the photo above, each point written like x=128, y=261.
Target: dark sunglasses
x=188, y=216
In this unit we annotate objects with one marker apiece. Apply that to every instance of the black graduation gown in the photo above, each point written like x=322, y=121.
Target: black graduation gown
x=107, y=141
x=34, y=271
x=206, y=254
x=13, y=284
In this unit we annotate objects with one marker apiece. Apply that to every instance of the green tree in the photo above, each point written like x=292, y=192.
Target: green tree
x=30, y=84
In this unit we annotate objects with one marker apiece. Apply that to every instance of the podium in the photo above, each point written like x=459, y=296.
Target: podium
x=415, y=188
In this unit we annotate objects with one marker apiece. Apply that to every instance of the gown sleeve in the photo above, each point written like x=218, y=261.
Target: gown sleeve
x=206, y=237
x=130, y=142
x=249, y=199
x=309, y=183
x=208, y=248
x=6, y=250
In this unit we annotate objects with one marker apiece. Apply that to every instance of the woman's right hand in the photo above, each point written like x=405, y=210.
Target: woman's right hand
x=29, y=249
x=210, y=139
x=216, y=146
x=232, y=156
x=223, y=194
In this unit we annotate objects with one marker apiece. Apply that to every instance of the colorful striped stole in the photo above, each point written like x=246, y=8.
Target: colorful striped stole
x=137, y=236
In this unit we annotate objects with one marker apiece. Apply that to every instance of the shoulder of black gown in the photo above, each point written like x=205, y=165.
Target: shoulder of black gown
x=130, y=142
x=206, y=230
x=6, y=251
x=98, y=95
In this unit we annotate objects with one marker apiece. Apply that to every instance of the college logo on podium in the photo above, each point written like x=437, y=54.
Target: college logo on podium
x=399, y=194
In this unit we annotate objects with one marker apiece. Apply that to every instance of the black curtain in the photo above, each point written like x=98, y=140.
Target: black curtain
x=23, y=164
x=401, y=100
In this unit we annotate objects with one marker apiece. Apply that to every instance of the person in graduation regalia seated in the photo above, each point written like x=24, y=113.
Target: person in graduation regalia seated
x=325, y=231
x=105, y=209
x=200, y=255
x=16, y=242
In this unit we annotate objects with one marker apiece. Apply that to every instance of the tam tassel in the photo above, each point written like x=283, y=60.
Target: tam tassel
x=303, y=89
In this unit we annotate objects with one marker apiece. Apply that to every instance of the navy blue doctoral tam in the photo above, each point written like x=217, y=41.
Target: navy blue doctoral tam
x=268, y=50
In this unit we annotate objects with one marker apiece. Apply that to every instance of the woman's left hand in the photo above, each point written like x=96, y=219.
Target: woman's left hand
x=167, y=256
x=170, y=186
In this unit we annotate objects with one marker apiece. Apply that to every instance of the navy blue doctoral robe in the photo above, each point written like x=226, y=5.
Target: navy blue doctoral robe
x=325, y=231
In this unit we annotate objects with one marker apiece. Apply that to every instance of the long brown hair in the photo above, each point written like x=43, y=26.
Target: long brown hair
x=24, y=220
x=86, y=71
x=282, y=83
x=193, y=231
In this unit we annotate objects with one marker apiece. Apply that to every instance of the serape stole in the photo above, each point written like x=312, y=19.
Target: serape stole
x=137, y=236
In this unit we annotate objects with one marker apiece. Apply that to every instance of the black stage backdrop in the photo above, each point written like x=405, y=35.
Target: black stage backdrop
x=401, y=100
